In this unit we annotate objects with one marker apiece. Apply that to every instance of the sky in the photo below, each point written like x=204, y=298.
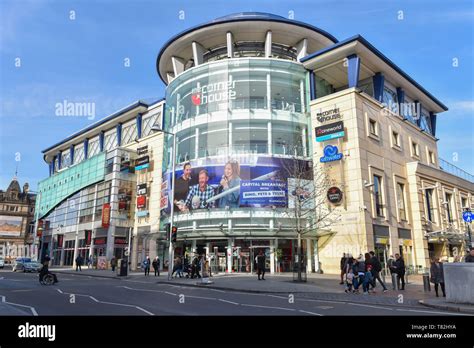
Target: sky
x=104, y=52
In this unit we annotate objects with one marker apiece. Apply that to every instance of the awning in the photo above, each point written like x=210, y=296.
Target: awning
x=451, y=236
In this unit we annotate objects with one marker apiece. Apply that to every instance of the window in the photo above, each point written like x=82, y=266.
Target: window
x=390, y=99
x=65, y=159
x=129, y=132
x=93, y=147
x=464, y=203
x=448, y=203
x=401, y=201
x=78, y=153
x=431, y=157
x=110, y=140
x=378, y=195
x=148, y=122
x=414, y=149
x=396, y=138
x=373, y=127
x=429, y=204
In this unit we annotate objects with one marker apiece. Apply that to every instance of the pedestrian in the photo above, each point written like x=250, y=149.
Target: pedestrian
x=437, y=276
x=393, y=274
x=146, y=265
x=368, y=278
x=470, y=256
x=399, y=267
x=342, y=266
x=195, y=268
x=376, y=269
x=349, y=281
x=79, y=261
x=156, y=266
x=177, y=267
x=260, y=259
x=113, y=263
x=356, y=280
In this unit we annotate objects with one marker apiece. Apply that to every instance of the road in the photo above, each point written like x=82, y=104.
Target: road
x=22, y=294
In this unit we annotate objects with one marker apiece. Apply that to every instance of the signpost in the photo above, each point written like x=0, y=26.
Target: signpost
x=468, y=216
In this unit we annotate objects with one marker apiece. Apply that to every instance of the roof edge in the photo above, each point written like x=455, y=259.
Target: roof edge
x=379, y=54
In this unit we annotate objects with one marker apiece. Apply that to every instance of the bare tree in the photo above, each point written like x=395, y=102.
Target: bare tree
x=308, y=206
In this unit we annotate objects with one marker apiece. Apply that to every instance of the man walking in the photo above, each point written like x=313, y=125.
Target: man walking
x=260, y=259
x=146, y=265
x=342, y=266
x=376, y=269
x=79, y=261
x=399, y=267
x=113, y=263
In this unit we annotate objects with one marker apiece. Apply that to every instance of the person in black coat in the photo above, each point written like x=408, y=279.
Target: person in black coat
x=156, y=266
x=79, y=263
x=399, y=268
x=260, y=265
x=437, y=276
x=376, y=269
x=470, y=256
x=342, y=266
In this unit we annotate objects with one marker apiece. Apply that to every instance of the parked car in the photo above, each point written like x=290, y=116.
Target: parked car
x=26, y=265
x=2, y=262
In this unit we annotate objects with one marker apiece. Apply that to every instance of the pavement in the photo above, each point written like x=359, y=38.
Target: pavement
x=322, y=287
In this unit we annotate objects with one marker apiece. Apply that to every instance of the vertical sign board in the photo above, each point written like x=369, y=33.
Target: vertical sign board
x=106, y=215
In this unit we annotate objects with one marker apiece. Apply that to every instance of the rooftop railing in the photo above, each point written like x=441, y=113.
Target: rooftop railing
x=452, y=169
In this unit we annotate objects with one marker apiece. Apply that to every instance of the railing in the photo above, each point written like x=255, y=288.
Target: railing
x=452, y=169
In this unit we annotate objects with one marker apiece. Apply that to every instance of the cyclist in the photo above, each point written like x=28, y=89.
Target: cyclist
x=45, y=270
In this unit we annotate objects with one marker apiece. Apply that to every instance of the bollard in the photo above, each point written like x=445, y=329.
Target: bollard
x=426, y=282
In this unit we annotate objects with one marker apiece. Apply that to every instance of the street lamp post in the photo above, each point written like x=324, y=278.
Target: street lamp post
x=157, y=128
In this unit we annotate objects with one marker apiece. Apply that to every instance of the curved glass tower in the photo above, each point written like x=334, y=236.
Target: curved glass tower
x=237, y=102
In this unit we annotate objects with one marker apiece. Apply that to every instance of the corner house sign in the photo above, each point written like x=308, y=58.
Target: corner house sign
x=213, y=92
x=142, y=162
x=330, y=154
x=334, y=195
x=328, y=115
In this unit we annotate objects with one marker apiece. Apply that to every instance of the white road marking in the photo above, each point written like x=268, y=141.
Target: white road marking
x=270, y=307
x=111, y=303
x=324, y=307
x=302, y=311
x=32, y=309
x=170, y=293
x=23, y=290
x=234, y=303
x=284, y=298
x=202, y=298
x=369, y=306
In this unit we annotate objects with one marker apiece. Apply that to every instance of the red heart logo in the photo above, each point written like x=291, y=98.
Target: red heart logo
x=196, y=98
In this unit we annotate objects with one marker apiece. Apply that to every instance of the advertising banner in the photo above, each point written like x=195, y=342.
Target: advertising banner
x=301, y=190
x=141, y=202
x=217, y=183
x=106, y=215
x=330, y=131
x=263, y=193
x=142, y=163
x=101, y=262
x=141, y=189
x=88, y=236
x=10, y=226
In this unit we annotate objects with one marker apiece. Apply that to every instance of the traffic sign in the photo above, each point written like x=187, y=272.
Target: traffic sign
x=468, y=216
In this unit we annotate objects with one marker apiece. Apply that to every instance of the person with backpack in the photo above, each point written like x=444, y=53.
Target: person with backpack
x=376, y=269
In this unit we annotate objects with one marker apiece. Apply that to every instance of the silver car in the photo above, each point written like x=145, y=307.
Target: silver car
x=26, y=265
x=2, y=263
